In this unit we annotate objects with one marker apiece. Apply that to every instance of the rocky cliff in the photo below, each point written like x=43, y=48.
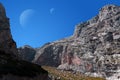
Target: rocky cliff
x=11, y=67
x=6, y=42
x=93, y=49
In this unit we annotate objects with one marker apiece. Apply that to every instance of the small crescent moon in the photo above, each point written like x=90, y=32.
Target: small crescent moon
x=25, y=16
x=52, y=10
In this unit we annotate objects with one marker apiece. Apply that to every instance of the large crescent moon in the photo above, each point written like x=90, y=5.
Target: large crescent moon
x=25, y=16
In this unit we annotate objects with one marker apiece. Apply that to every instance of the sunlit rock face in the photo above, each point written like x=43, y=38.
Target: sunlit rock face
x=109, y=11
x=93, y=49
x=6, y=42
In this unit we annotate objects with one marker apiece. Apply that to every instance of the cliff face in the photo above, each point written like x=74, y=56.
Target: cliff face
x=6, y=42
x=93, y=49
x=12, y=68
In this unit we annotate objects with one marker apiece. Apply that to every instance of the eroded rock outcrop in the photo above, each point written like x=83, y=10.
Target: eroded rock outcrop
x=93, y=49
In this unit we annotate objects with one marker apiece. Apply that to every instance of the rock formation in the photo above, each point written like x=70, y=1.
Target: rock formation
x=11, y=67
x=6, y=42
x=27, y=53
x=93, y=49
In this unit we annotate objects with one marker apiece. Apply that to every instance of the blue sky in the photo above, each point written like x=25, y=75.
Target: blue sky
x=49, y=20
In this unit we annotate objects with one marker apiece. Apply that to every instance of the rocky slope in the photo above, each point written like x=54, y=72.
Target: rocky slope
x=11, y=67
x=93, y=49
x=56, y=74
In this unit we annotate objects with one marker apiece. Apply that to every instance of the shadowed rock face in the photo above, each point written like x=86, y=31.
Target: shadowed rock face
x=27, y=53
x=12, y=68
x=6, y=42
x=93, y=49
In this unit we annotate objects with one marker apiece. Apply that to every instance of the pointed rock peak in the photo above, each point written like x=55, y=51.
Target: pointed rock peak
x=109, y=11
x=2, y=10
